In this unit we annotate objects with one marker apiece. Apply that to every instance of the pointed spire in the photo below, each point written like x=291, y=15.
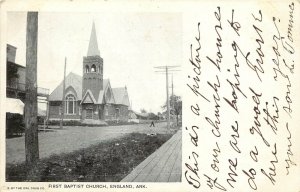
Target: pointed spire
x=93, y=45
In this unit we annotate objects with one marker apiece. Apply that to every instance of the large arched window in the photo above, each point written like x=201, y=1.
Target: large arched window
x=70, y=104
x=87, y=69
x=93, y=68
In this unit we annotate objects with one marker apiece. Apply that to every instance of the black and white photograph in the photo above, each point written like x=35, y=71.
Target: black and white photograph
x=93, y=97
x=149, y=96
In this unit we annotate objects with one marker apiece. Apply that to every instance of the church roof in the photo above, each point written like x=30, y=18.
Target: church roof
x=73, y=80
x=101, y=93
x=88, y=97
x=119, y=95
x=93, y=45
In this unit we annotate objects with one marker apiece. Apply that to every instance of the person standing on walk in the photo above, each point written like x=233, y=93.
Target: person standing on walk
x=152, y=124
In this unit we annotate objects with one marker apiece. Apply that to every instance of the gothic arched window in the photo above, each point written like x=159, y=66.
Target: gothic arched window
x=70, y=104
x=87, y=69
x=93, y=68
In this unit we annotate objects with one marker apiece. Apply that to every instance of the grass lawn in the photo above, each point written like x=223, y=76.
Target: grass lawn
x=104, y=162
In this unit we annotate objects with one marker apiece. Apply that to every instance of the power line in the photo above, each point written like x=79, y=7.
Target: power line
x=167, y=66
x=168, y=70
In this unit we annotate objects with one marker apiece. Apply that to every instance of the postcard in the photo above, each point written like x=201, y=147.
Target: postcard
x=150, y=96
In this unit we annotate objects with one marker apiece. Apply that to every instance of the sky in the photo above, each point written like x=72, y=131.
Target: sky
x=131, y=45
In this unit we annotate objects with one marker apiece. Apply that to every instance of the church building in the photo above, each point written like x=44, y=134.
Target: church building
x=89, y=97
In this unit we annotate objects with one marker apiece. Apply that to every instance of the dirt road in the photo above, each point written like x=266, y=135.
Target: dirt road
x=73, y=138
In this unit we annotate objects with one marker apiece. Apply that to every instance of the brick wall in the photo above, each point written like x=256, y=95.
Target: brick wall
x=123, y=112
x=54, y=111
x=109, y=112
x=113, y=114
x=92, y=80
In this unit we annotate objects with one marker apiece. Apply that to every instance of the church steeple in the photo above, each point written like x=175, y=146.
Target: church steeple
x=92, y=68
x=93, y=45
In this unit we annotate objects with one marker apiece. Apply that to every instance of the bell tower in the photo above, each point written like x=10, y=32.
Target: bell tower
x=92, y=78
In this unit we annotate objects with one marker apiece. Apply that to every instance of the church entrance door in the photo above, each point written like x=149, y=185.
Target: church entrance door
x=89, y=114
x=101, y=114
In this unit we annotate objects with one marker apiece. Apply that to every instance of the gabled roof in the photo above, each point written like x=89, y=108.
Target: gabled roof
x=73, y=80
x=88, y=97
x=121, y=96
x=103, y=93
x=118, y=95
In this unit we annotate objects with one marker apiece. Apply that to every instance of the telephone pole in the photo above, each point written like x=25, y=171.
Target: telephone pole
x=165, y=70
x=63, y=96
x=172, y=93
x=172, y=86
x=173, y=99
x=31, y=128
x=168, y=101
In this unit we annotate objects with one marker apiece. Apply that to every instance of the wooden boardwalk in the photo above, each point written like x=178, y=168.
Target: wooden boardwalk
x=164, y=165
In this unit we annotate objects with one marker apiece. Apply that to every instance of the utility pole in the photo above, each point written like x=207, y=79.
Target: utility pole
x=31, y=128
x=172, y=86
x=63, y=96
x=172, y=100
x=47, y=111
x=168, y=101
x=165, y=70
x=172, y=93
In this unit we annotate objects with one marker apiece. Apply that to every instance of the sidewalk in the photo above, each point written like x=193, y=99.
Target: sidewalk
x=164, y=165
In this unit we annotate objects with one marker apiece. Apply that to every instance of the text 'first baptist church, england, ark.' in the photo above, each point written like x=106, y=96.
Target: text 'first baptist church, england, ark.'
x=89, y=97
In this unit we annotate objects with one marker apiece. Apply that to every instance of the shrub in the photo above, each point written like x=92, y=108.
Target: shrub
x=79, y=123
x=115, y=122
x=65, y=123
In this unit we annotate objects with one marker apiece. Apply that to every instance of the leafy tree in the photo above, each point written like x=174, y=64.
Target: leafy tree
x=159, y=114
x=143, y=110
x=152, y=116
x=175, y=106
